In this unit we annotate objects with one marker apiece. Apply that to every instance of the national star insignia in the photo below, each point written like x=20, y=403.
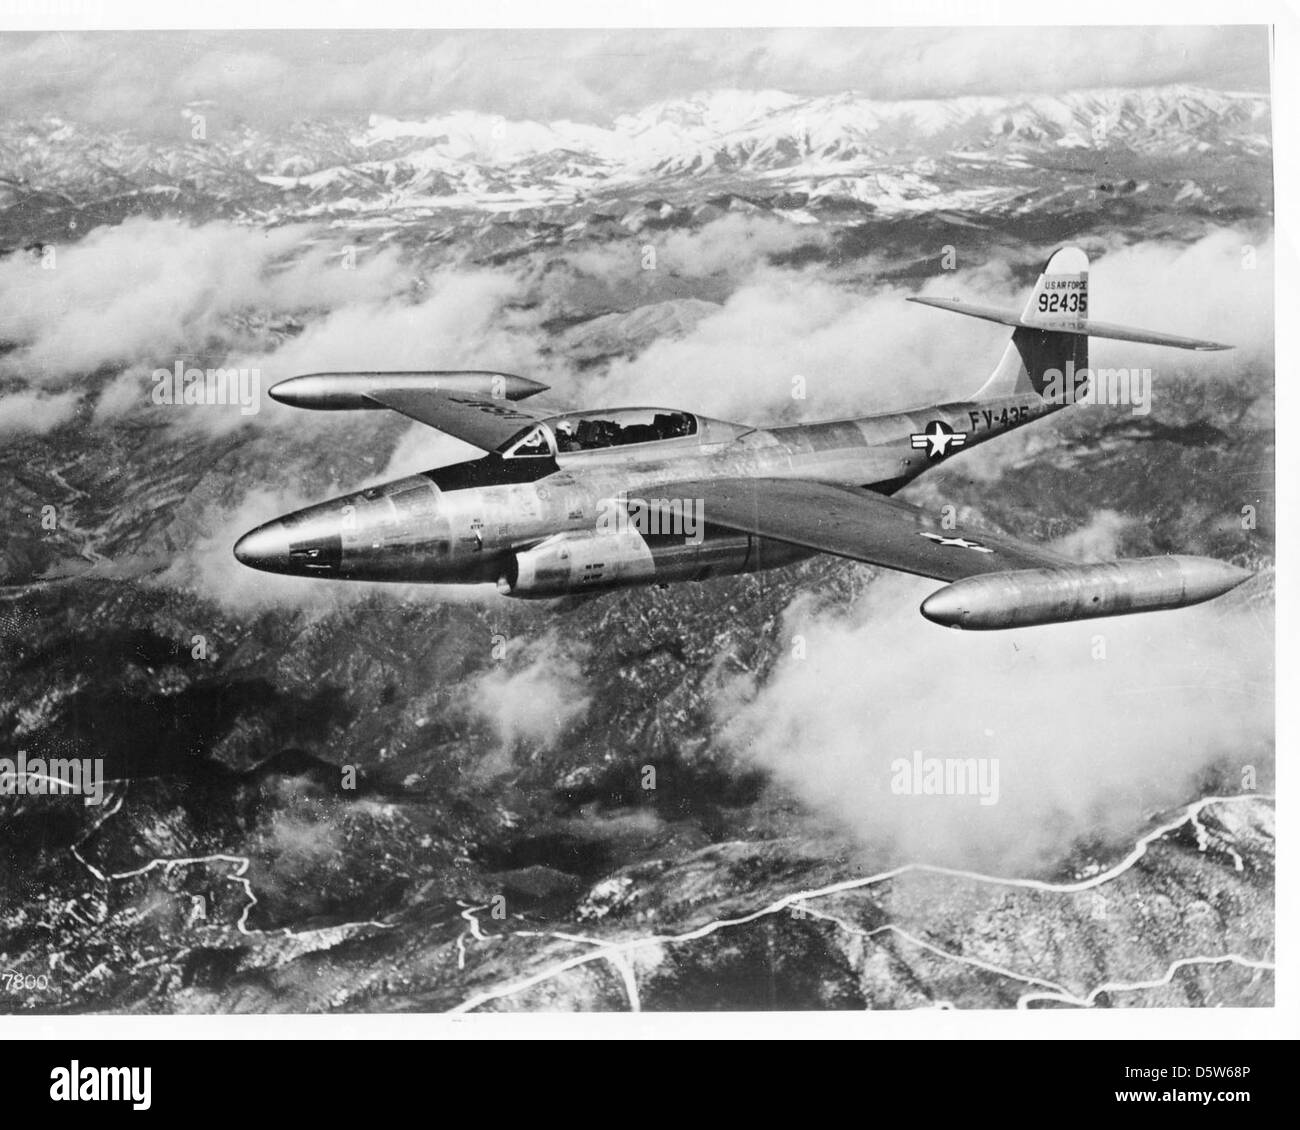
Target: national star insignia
x=959, y=542
x=937, y=438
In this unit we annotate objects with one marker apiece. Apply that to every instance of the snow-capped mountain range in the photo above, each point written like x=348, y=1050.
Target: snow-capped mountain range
x=761, y=130
x=806, y=152
x=768, y=135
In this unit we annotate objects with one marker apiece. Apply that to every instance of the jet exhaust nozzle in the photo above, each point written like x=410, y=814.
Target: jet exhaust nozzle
x=1023, y=598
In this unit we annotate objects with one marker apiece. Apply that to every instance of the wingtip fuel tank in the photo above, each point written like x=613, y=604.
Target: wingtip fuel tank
x=342, y=391
x=1025, y=597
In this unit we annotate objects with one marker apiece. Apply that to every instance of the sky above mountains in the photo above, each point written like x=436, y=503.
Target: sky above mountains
x=144, y=80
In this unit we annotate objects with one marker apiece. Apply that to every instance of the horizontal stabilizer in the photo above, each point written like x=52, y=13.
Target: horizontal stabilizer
x=1083, y=327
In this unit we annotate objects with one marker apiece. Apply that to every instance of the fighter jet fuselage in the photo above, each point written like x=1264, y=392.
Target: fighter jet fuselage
x=498, y=519
x=584, y=501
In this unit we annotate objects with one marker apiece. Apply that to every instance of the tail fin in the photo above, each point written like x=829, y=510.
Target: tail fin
x=1049, y=332
x=1052, y=331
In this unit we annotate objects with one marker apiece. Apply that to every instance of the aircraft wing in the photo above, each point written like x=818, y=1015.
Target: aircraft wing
x=856, y=523
x=487, y=423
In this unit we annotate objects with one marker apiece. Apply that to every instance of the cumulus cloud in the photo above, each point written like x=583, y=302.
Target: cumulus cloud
x=535, y=695
x=385, y=317
x=1219, y=287
x=143, y=79
x=421, y=449
x=148, y=293
x=35, y=412
x=731, y=245
x=860, y=347
x=1094, y=726
x=1096, y=540
x=130, y=299
x=852, y=351
x=464, y=319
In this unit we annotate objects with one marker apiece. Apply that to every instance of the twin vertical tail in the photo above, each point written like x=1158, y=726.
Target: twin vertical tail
x=1050, y=342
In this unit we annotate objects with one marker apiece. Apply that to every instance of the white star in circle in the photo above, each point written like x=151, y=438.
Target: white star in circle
x=937, y=438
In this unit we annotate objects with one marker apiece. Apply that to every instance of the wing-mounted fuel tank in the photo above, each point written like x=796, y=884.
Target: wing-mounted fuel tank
x=1024, y=597
x=594, y=560
x=349, y=391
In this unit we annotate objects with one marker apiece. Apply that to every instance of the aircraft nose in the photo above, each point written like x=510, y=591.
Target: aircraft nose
x=306, y=543
x=266, y=547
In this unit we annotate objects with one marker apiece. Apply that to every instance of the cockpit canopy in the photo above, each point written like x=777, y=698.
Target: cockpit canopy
x=534, y=443
x=619, y=427
x=605, y=429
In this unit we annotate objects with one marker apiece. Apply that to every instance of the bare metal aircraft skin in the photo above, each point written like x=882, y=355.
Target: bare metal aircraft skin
x=582, y=502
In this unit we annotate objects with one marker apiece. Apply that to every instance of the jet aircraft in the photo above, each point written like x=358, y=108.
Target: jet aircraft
x=586, y=501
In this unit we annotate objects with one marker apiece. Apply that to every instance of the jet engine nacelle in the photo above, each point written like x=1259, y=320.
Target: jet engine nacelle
x=568, y=563
x=593, y=560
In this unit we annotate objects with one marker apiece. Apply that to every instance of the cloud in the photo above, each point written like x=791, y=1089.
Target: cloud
x=853, y=353
x=1086, y=746
x=1098, y=540
x=534, y=696
x=465, y=319
x=35, y=412
x=130, y=299
x=147, y=293
x=1220, y=287
x=860, y=347
x=732, y=245
x=422, y=448
x=144, y=79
